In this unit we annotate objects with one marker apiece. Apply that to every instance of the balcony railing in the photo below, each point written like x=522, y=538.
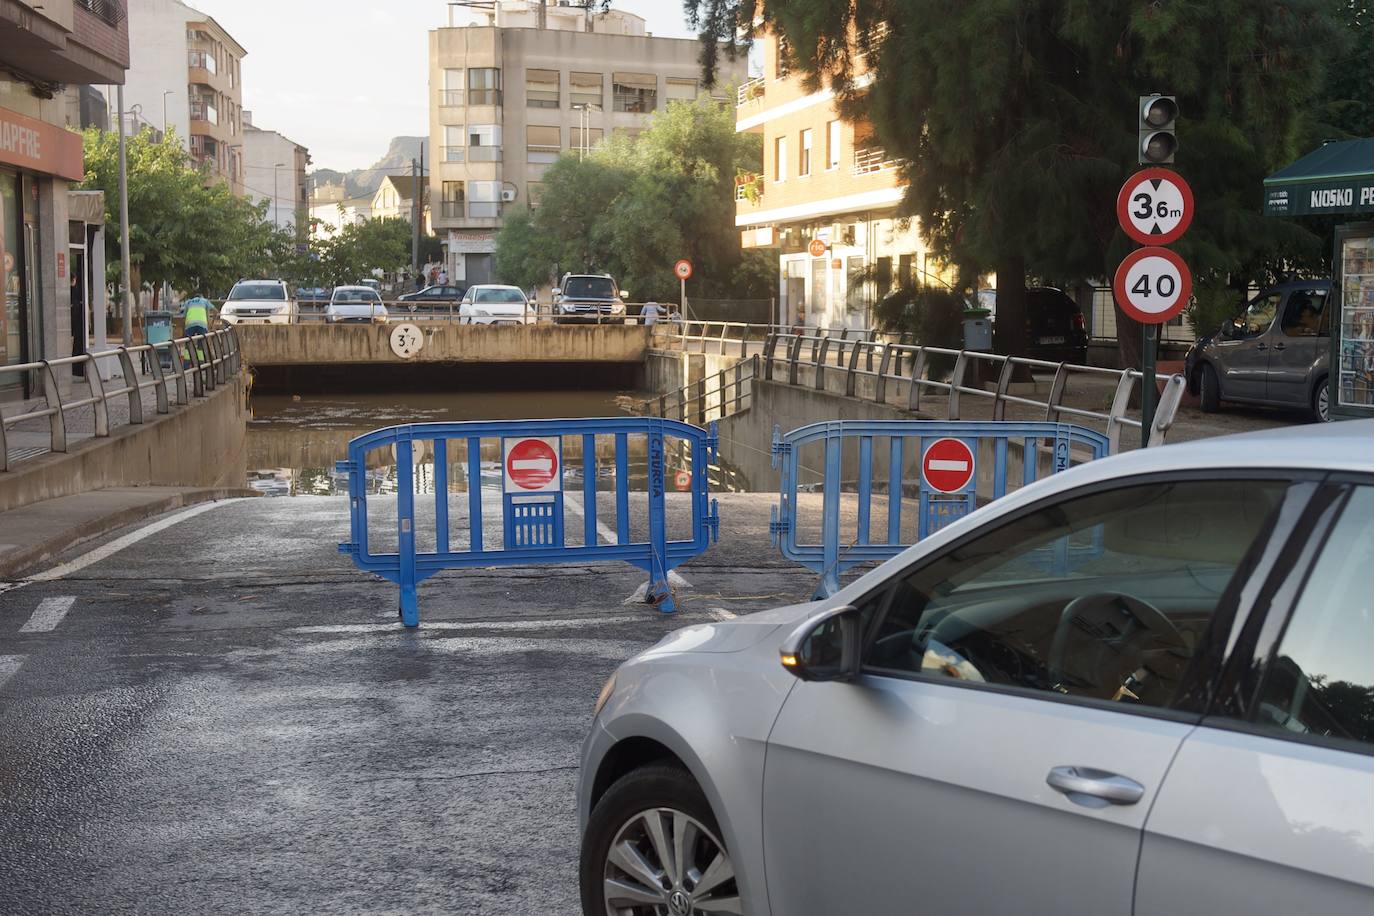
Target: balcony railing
x=109, y=11
x=204, y=111
x=202, y=59
x=484, y=209
x=869, y=159
x=484, y=154
x=749, y=187
x=754, y=89
x=452, y=98
x=453, y=209
x=872, y=39
x=454, y=153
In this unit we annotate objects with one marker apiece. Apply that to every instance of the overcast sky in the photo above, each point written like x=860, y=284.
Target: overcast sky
x=343, y=78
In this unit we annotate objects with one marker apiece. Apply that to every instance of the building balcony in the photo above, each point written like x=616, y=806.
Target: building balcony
x=484, y=154
x=453, y=154
x=749, y=189
x=201, y=60
x=751, y=91
x=111, y=12
x=452, y=98
x=870, y=159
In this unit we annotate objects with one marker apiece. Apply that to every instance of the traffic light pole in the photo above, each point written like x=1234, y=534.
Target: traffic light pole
x=1149, y=354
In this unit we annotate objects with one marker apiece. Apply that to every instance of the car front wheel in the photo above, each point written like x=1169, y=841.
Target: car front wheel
x=1321, y=401
x=1210, y=390
x=652, y=847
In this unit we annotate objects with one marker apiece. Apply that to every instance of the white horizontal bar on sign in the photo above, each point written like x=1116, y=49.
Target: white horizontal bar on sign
x=532, y=464
x=937, y=464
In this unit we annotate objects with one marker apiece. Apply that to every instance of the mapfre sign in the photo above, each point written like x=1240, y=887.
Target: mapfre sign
x=37, y=147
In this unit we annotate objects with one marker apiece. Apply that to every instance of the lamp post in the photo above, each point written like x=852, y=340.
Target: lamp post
x=584, y=124
x=276, y=198
x=164, y=109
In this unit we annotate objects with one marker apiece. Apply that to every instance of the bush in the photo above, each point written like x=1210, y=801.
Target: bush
x=933, y=317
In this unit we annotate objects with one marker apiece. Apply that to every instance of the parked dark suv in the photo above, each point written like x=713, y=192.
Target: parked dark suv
x=588, y=298
x=1055, y=329
x=1276, y=352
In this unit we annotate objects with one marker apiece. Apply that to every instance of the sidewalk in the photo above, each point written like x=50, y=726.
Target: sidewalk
x=32, y=438
x=34, y=534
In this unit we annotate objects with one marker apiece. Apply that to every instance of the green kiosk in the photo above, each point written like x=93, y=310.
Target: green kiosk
x=1338, y=180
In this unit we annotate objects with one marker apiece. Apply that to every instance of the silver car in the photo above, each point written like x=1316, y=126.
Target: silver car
x=1141, y=687
x=357, y=304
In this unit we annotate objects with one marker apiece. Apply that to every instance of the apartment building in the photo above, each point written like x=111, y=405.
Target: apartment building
x=52, y=246
x=525, y=84
x=828, y=198
x=274, y=170
x=187, y=77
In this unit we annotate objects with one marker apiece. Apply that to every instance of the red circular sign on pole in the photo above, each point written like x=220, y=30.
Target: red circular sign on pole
x=532, y=464
x=1155, y=206
x=817, y=248
x=948, y=465
x=683, y=269
x=1153, y=285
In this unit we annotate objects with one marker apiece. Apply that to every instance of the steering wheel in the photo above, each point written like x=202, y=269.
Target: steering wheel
x=1146, y=627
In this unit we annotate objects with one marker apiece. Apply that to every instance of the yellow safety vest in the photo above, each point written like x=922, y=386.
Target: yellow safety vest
x=197, y=315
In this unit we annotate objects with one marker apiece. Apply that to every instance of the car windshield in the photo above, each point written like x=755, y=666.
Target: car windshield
x=257, y=291
x=500, y=295
x=345, y=296
x=589, y=287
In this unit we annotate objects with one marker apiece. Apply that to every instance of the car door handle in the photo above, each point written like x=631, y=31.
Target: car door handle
x=1280, y=347
x=1094, y=788
x=1262, y=347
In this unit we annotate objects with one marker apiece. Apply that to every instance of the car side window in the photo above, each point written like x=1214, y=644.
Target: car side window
x=1303, y=315
x=1320, y=681
x=1259, y=315
x=1105, y=596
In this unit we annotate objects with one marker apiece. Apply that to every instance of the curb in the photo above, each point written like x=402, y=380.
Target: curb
x=18, y=563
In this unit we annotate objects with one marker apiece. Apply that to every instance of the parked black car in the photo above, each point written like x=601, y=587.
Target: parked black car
x=434, y=296
x=1275, y=352
x=1055, y=329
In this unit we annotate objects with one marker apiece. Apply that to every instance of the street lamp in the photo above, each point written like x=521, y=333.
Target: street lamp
x=164, y=109
x=276, y=198
x=584, y=124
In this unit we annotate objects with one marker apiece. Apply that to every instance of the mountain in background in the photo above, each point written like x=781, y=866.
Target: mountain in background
x=365, y=182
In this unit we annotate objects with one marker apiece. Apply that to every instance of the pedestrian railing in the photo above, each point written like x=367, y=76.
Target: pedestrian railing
x=715, y=397
x=544, y=466
x=175, y=370
x=945, y=468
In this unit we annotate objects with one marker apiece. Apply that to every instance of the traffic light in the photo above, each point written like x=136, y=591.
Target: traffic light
x=1158, y=140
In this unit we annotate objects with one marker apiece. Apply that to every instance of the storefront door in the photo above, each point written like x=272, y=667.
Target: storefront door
x=13, y=330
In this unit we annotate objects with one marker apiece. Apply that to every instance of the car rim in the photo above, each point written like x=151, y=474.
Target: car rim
x=1323, y=402
x=665, y=863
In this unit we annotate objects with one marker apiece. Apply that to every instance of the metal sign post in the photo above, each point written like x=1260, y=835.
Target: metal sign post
x=683, y=270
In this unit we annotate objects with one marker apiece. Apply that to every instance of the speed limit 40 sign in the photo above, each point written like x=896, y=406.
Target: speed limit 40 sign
x=1155, y=206
x=1153, y=285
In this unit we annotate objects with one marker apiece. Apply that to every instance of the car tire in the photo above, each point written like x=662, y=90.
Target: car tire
x=1210, y=389
x=667, y=795
x=1321, y=400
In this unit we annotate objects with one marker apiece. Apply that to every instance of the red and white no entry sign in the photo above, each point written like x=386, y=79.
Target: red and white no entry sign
x=1153, y=285
x=1155, y=206
x=532, y=465
x=948, y=465
x=683, y=269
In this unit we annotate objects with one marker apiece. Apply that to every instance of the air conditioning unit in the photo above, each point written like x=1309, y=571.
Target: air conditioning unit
x=508, y=195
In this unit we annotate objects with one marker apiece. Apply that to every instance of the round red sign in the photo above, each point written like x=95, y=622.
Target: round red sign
x=1153, y=285
x=948, y=465
x=532, y=464
x=683, y=269
x=817, y=248
x=1155, y=206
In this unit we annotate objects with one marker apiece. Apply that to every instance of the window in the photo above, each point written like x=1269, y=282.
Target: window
x=906, y=270
x=1100, y=597
x=832, y=145
x=804, y=157
x=484, y=198
x=585, y=140
x=585, y=89
x=636, y=93
x=854, y=284
x=484, y=86
x=452, y=93
x=782, y=66
x=454, y=200
x=681, y=90
x=484, y=142
x=1321, y=680
x=1259, y=316
x=541, y=89
x=455, y=143
x=542, y=144
x=882, y=277
x=780, y=159
x=1305, y=315
x=533, y=191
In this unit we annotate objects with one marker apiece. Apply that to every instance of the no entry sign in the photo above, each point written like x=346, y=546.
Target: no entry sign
x=947, y=465
x=1153, y=285
x=1155, y=206
x=532, y=465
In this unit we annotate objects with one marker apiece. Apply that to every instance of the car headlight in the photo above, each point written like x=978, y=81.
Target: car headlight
x=618, y=308
x=607, y=689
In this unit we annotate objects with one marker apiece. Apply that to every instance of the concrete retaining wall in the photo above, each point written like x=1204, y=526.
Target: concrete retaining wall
x=364, y=344
x=201, y=445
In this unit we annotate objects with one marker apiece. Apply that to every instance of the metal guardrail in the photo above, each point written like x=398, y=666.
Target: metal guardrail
x=196, y=365
x=533, y=474
x=709, y=398
x=947, y=456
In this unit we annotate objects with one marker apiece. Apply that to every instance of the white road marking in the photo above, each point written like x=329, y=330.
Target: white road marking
x=9, y=664
x=940, y=464
x=560, y=624
x=721, y=613
x=607, y=534
x=118, y=544
x=49, y=614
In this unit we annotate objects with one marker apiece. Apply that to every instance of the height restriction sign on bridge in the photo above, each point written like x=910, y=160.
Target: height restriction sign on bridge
x=1155, y=206
x=532, y=465
x=1152, y=285
x=947, y=465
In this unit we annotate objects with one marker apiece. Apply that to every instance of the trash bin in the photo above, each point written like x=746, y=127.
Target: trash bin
x=157, y=328
x=977, y=330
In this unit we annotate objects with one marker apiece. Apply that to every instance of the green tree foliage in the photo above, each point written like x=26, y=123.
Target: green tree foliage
x=634, y=206
x=358, y=249
x=1015, y=123
x=184, y=230
x=1347, y=110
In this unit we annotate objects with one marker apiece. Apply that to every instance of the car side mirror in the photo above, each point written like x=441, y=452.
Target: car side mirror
x=557, y=294
x=825, y=648
x=624, y=294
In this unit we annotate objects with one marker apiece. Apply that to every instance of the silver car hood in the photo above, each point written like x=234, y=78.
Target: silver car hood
x=732, y=635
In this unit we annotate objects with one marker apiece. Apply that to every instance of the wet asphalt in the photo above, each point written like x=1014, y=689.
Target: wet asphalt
x=226, y=717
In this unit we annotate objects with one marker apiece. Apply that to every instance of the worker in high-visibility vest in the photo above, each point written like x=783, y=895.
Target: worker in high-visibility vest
x=197, y=313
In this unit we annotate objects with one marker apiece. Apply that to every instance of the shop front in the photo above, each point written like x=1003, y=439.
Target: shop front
x=1338, y=180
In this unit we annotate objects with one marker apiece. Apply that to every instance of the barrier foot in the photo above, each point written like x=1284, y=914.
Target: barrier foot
x=660, y=595
x=827, y=586
x=410, y=606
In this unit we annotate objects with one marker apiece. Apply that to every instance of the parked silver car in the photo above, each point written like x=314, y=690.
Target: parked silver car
x=1143, y=686
x=1276, y=353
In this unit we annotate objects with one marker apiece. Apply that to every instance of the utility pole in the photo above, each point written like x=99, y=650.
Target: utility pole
x=125, y=294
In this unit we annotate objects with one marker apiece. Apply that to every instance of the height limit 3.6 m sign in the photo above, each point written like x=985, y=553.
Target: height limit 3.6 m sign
x=1155, y=207
x=1153, y=285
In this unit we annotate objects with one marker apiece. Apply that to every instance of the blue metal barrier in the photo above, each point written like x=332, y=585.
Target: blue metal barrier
x=533, y=499
x=946, y=476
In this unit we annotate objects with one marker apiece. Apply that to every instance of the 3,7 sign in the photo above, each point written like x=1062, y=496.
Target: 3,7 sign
x=1153, y=285
x=1155, y=207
